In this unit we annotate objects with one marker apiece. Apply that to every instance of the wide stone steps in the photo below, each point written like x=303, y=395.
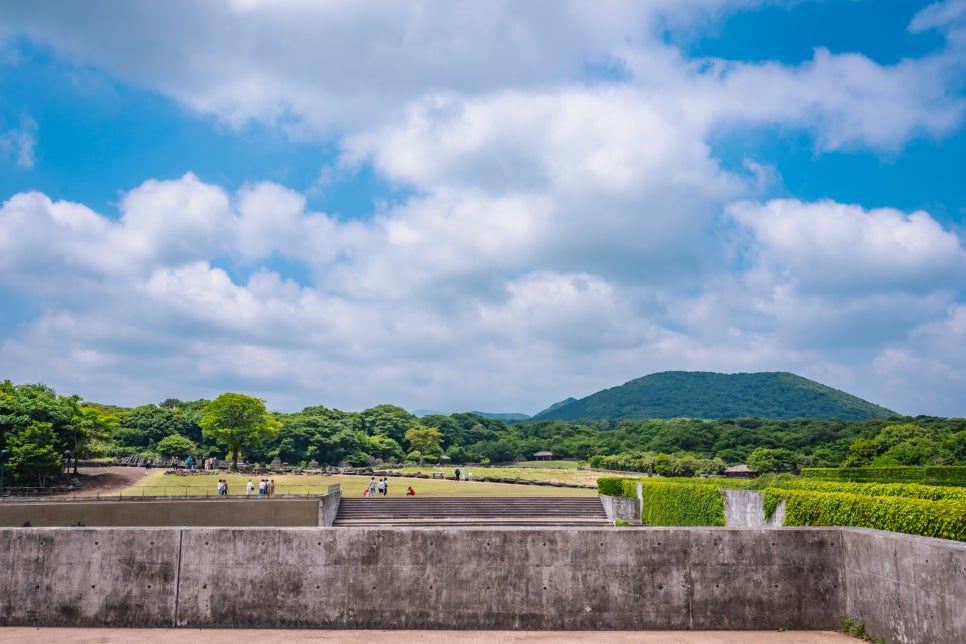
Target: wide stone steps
x=472, y=511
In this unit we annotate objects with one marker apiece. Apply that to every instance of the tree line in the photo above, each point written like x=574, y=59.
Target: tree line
x=37, y=427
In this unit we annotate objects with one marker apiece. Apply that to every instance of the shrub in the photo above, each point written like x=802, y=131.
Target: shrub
x=941, y=519
x=926, y=475
x=610, y=486
x=682, y=504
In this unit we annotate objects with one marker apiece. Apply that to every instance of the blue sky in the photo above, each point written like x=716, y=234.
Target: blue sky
x=456, y=205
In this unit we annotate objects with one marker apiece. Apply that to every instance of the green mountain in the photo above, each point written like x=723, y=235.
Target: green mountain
x=556, y=405
x=699, y=394
x=510, y=417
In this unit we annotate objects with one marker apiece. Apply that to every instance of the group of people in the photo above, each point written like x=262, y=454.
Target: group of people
x=266, y=487
x=222, y=487
x=380, y=487
x=463, y=475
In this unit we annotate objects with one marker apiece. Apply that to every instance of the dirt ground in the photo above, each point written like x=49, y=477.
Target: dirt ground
x=106, y=480
x=180, y=635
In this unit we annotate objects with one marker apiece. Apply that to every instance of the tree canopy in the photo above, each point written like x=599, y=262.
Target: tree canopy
x=237, y=420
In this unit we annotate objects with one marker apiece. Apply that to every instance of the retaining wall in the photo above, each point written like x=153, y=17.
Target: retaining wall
x=236, y=512
x=905, y=589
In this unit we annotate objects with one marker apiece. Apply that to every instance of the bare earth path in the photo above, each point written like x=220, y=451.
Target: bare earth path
x=106, y=480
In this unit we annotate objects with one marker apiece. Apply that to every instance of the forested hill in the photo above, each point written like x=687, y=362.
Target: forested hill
x=699, y=394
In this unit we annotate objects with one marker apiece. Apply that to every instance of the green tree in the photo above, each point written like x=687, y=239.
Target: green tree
x=237, y=420
x=176, y=445
x=425, y=440
x=764, y=459
x=34, y=457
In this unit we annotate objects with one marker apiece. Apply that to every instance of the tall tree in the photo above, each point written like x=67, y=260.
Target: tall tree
x=237, y=420
x=425, y=440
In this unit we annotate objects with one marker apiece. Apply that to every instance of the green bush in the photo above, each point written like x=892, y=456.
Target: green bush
x=610, y=486
x=941, y=519
x=908, y=490
x=669, y=503
x=926, y=475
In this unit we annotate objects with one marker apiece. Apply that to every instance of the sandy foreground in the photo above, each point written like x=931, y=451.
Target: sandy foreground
x=31, y=635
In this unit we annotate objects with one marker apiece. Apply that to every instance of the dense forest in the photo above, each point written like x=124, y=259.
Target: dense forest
x=37, y=426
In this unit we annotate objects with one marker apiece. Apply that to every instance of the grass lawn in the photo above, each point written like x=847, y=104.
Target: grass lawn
x=550, y=472
x=157, y=483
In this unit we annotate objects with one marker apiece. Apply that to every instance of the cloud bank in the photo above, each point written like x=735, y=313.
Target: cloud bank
x=563, y=229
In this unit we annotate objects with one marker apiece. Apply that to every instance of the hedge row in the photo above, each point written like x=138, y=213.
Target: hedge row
x=907, y=490
x=611, y=486
x=942, y=519
x=926, y=475
x=682, y=504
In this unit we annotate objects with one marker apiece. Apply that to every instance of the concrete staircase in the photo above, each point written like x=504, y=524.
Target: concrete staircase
x=471, y=511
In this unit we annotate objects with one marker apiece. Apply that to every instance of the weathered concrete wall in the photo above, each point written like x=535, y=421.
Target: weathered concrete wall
x=329, y=508
x=89, y=577
x=424, y=578
x=905, y=589
x=746, y=509
x=621, y=507
x=276, y=512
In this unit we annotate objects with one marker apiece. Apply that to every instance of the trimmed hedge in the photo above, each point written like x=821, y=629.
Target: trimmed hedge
x=669, y=503
x=907, y=490
x=925, y=475
x=610, y=486
x=942, y=519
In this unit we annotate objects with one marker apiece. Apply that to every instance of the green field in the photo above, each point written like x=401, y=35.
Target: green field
x=549, y=471
x=159, y=483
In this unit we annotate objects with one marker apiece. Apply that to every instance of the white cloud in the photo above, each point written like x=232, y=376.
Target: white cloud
x=19, y=143
x=826, y=246
x=564, y=233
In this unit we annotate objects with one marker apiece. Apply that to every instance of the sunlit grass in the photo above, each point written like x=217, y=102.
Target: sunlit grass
x=550, y=473
x=159, y=483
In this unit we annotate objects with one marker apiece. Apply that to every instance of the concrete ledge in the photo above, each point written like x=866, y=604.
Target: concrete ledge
x=480, y=578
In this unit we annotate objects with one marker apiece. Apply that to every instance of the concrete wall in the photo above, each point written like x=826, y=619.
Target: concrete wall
x=746, y=509
x=329, y=508
x=276, y=512
x=621, y=507
x=279, y=511
x=904, y=588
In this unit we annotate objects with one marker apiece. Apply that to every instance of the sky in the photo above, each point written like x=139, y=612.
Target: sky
x=453, y=206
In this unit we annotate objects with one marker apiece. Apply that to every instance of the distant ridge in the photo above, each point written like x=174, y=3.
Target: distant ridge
x=701, y=394
x=503, y=417
x=556, y=405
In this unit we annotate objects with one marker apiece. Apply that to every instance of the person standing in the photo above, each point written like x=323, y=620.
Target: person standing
x=271, y=487
x=262, y=487
x=457, y=473
x=249, y=488
x=372, y=486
